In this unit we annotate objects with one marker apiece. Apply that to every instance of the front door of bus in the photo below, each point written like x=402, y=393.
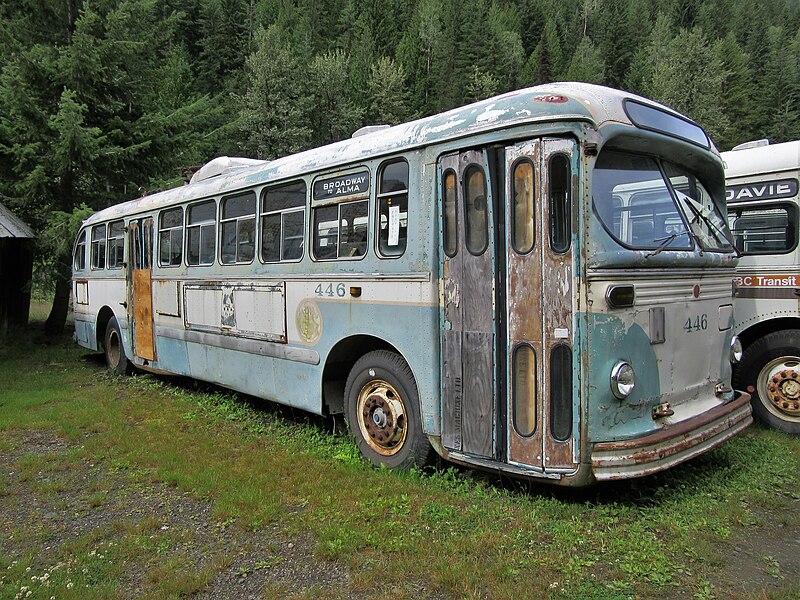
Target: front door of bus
x=140, y=287
x=542, y=407
x=507, y=291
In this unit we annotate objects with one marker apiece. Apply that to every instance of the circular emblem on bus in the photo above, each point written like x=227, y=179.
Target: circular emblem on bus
x=309, y=321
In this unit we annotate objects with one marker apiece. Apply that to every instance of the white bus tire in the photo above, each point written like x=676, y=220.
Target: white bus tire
x=382, y=410
x=770, y=371
x=116, y=361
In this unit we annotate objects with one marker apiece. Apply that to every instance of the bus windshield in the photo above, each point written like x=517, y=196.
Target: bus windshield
x=645, y=204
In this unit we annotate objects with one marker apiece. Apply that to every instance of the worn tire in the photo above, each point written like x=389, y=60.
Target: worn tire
x=770, y=372
x=382, y=411
x=116, y=361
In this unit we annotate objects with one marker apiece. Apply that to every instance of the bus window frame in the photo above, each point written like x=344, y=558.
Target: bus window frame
x=339, y=201
x=568, y=212
x=445, y=221
x=792, y=215
x=99, y=242
x=80, y=246
x=379, y=196
x=171, y=230
x=486, y=221
x=512, y=209
x=188, y=227
x=237, y=221
x=119, y=240
x=282, y=212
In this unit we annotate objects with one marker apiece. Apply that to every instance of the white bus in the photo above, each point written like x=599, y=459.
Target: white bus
x=763, y=200
x=462, y=284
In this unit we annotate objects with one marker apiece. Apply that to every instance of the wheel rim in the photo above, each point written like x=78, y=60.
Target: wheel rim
x=382, y=418
x=779, y=387
x=113, y=349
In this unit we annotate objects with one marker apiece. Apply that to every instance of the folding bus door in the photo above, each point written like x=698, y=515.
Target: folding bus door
x=542, y=407
x=140, y=287
x=468, y=327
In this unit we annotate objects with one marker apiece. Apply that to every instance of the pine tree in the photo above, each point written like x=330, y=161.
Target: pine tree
x=275, y=110
x=388, y=93
x=336, y=114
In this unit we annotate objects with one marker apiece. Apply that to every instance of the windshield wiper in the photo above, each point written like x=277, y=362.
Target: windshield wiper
x=691, y=203
x=665, y=241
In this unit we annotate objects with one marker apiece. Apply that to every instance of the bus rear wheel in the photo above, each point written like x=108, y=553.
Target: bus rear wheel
x=382, y=409
x=770, y=371
x=116, y=361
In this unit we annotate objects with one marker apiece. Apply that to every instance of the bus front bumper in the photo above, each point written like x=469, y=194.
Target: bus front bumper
x=671, y=445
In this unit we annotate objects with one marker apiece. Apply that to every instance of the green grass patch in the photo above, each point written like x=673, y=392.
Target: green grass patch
x=449, y=532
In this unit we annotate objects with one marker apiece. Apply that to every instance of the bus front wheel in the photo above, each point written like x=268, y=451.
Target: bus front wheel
x=770, y=371
x=382, y=408
x=116, y=360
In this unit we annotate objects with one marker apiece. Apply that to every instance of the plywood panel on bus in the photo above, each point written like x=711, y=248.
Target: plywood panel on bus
x=143, y=314
x=453, y=389
x=477, y=421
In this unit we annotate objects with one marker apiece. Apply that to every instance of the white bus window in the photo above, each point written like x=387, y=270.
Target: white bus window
x=393, y=209
x=170, y=237
x=477, y=222
x=283, y=222
x=523, y=215
x=450, y=241
x=200, y=233
x=238, y=229
x=764, y=230
x=116, y=244
x=340, y=231
x=99, y=247
x=79, y=262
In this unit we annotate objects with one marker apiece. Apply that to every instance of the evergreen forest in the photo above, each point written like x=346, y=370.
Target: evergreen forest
x=106, y=100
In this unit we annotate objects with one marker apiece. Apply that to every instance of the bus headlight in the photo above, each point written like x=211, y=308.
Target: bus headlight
x=623, y=380
x=736, y=350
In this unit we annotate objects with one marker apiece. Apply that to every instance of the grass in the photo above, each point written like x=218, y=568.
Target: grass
x=450, y=532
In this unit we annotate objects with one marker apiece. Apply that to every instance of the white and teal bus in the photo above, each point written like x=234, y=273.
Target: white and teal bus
x=538, y=284
x=763, y=202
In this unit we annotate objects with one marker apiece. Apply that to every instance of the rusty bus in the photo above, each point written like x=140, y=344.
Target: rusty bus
x=763, y=201
x=538, y=284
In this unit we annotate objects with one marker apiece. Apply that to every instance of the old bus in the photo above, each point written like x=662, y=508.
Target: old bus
x=763, y=200
x=539, y=284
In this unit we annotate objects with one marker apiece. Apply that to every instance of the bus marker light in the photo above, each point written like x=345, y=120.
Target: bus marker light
x=620, y=296
x=355, y=292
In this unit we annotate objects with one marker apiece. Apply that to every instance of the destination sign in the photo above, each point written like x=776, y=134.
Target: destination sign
x=763, y=190
x=341, y=186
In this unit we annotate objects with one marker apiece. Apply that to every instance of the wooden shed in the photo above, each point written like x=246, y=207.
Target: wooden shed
x=16, y=269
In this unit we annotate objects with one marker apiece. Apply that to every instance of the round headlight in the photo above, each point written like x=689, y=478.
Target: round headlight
x=623, y=380
x=736, y=350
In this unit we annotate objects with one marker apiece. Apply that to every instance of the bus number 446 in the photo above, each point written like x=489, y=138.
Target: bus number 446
x=330, y=291
x=699, y=323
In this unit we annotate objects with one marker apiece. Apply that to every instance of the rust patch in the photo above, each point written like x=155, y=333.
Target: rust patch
x=551, y=98
x=144, y=346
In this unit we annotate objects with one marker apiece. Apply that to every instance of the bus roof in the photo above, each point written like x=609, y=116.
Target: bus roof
x=772, y=158
x=557, y=101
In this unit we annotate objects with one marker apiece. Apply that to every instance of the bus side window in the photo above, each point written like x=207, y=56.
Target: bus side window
x=764, y=229
x=560, y=204
x=79, y=263
x=340, y=231
x=475, y=209
x=283, y=222
x=170, y=237
x=98, y=247
x=238, y=225
x=116, y=244
x=449, y=200
x=200, y=233
x=393, y=208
